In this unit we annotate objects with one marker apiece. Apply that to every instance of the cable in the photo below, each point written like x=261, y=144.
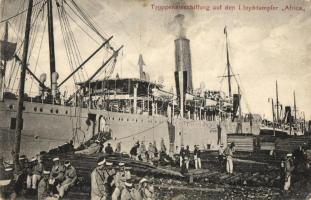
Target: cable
x=7, y=19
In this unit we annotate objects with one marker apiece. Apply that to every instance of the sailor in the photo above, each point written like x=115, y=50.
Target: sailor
x=35, y=175
x=163, y=147
x=289, y=167
x=221, y=157
x=44, y=187
x=108, y=149
x=110, y=174
x=197, y=157
x=6, y=182
x=142, y=151
x=57, y=174
x=98, y=181
x=151, y=151
x=229, y=156
x=187, y=156
x=70, y=179
x=133, y=151
x=146, y=189
x=22, y=172
x=121, y=176
x=182, y=155
x=130, y=192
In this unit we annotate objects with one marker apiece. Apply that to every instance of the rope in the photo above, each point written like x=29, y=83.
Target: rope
x=7, y=19
x=140, y=132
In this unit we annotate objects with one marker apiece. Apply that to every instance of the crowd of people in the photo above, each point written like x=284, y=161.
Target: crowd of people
x=115, y=182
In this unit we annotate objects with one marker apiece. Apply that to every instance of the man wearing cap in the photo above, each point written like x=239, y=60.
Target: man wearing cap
x=57, y=174
x=108, y=149
x=221, y=157
x=70, y=179
x=289, y=167
x=34, y=176
x=110, y=173
x=130, y=192
x=146, y=189
x=182, y=155
x=229, y=156
x=121, y=176
x=187, y=156
x=44, y=187
x=197, y=157
x=151, y=151
x=99, y=181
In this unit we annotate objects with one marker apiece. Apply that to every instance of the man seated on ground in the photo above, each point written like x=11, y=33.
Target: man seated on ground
x=146, y=189
x=121, y=176
x=22, y=170
x=108, y=149
x=34, y=175
x=57, y=174
x=110, y=173
x=98, y=181
x=70, y=179
x=44, y=187
x=133, y=151
x=130, y=192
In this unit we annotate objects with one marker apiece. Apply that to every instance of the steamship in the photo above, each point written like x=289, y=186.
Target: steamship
x=128, y=109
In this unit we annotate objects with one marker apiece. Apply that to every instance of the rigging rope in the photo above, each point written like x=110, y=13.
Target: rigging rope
x=7, y=19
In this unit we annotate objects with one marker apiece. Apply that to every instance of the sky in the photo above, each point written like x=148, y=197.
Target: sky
x=264, y=46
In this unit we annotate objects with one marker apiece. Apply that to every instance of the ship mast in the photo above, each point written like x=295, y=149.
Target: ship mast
x=19, y=114
x=295, y=108
x=228, y=64
x=51, y=38
x=3, y=67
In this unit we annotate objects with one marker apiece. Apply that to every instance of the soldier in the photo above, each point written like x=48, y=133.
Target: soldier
x=44, y=187
x=197, y=157
x=110, y=174
x=70, y=179
x=130, y=192
x=289, y=167
x=121, y=176
x=35, y=175
x=146, y=189
x=57, y=174
x=98, y=181
x=187, y=157
x=151, y=151
x=221, y=157
x=229, y=156
x=182, y=155
x=108, y=149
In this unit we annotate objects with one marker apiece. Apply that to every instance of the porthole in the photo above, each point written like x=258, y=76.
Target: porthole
x=113, y=118
x=66, y=112
x=56, y=111
x=41, y=109
x=11, y=107
x=127, y=119
x=35, y=109
x=51, y=110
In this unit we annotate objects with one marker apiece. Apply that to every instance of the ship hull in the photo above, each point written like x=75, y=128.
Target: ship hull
x=45, y=126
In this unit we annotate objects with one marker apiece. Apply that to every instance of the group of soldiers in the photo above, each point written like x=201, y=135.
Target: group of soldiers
x=185, y=158
x=115, y=182
x=32, y=178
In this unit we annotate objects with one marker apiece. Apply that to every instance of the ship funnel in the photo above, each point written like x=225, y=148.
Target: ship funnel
x=183, y=71
x=54, y=83
x=42, y=80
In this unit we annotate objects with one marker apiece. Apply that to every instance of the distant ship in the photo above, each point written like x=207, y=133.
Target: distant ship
x=127, y=109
